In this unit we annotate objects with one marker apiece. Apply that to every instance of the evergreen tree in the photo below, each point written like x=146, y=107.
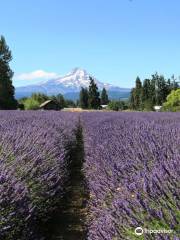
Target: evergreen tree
x=161, y=89
x=7, y=100
x=174, y=83
x=59, y=99
x=146, y=90
x=137, y=95
x=83, y=98
x=94, y=100
x=113, y=105
x=146, y=95
x=153, y=92
x=158, y=81
x=70, y=103
x=131, y=100
x=104, y=97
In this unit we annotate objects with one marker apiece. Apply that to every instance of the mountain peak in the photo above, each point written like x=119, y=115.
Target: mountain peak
x=78, y=70
x=70, y=83
x=78, y=73
x=76, y=78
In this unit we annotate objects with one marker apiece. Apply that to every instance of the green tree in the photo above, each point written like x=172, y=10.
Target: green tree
x=153, y=92
x=59, y=99
x=104, y=97
x=83, y=98
x=174, y=83
x=146, y=95
x=146, y=89
x=40, y=97
x=117, y=105
x=173, y=101
x=7, y=100
x=123, y=105
x=31, y=104
x=113, y=105
x=160, y=89
x=94, y=100
x=131, y=99
x=70, y=103
x=136, y=95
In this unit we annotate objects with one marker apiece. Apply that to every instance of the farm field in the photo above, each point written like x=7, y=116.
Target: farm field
x=89, y=175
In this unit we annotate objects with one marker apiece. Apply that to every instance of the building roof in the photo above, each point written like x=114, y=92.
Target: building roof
x=157, y=107
x=45, y=103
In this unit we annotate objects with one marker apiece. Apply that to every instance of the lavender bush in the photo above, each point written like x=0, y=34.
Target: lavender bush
x=33, y=168
x=132, y=168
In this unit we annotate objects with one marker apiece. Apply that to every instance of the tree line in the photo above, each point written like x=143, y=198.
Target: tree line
x=90, y=98
x=36, y=99
x=151, y=92
x=144, y=96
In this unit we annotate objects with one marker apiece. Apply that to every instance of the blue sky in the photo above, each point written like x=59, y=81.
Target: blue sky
x=113, y=40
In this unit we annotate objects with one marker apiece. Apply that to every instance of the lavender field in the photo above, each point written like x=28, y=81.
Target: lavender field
x=33, y=169
x=132, y=168
x=120, y=171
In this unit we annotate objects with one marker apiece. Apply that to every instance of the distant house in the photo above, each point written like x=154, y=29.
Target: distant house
x=104, y=106
x=157, y=108
x=49, y=105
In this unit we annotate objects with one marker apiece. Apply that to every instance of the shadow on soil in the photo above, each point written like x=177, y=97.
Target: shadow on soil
x=68, y=221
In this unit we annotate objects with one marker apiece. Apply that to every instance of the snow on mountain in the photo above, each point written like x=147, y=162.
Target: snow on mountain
x=77, y=78
x=70, y=83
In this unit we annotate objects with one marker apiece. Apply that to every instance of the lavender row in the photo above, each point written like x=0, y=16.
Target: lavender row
x=132, y=169
x=33, y=168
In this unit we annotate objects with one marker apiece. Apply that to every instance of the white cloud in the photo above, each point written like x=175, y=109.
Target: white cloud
x=38, y=74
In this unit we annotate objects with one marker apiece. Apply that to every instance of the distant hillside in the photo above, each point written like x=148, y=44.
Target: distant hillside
x=112, y=95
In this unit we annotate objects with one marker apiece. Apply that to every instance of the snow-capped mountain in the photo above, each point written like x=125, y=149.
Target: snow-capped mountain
x=76, y=79
x=67, y=85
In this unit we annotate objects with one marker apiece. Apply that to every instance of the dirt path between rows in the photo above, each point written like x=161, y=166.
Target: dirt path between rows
x=68, y=222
